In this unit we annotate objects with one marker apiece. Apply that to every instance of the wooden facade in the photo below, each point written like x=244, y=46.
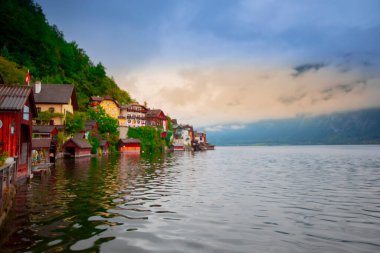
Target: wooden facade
x=17, y=108
x=156, y=118
x=77, y=148
x=129, y=146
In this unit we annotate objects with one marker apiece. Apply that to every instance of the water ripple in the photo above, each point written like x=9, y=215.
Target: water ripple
x=241, y=199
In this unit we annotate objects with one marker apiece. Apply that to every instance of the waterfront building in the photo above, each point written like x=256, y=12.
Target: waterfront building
x=40, y=151
x=132, y=115
x=104, y=146
x=44, y=143
x=77, y=147
x=200, y=137
x=187, y=135
x=110, y=105
x=129, y=145
x=17, y=108
x=56, y=98
x=156, y=118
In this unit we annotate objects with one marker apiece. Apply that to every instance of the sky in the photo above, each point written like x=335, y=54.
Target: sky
x=231, y=62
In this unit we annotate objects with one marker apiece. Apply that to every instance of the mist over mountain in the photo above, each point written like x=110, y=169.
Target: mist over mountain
x=356, y=127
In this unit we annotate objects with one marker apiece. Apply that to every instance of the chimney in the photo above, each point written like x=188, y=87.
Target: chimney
x=38, y=87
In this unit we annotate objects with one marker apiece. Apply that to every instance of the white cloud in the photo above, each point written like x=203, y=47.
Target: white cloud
x=225, y=94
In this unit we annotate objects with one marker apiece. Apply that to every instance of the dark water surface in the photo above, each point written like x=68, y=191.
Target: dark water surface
x=233, y=199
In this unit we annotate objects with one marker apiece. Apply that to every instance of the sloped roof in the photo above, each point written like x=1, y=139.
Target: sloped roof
x=56, y=94
x=129, y=141
x=41, y=143
x=43, y=129
x=155, y=113
x=89, y=124
x=81, y=143
x=96, y=98
x=130, y=105
x=13, y=98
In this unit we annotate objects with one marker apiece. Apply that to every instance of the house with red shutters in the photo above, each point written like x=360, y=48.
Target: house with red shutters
x=156, y=118
x=17, y=108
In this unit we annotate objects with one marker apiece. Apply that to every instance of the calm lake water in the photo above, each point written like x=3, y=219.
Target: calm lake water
x=233, y=199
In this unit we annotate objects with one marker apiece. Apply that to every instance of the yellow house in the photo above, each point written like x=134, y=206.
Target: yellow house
x=110, y=106
x=56, y=98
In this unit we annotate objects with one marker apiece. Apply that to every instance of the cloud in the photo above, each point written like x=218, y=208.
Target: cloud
x=292, y=99
x=221, y=95
x=237, y=126
x=216, y=128
x=330, y=92
x=301, y=69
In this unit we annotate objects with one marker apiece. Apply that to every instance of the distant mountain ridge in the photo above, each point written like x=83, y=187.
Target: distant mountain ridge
x=356, y=127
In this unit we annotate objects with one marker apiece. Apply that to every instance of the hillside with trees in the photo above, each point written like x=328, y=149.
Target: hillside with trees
x=28, y=41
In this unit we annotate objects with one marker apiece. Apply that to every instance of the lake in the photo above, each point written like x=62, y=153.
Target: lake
x=232, y=199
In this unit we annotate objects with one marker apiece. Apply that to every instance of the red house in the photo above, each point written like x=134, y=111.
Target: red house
x=129, y=146
x=104, y=146
x=76, y=147
x=156, y=118
x=17, y=108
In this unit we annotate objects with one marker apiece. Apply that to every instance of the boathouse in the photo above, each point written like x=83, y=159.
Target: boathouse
x=45, y=135
x=40, y=151
x=104, y=146
x=17, y=108
x=76, y=147
x=129, y=145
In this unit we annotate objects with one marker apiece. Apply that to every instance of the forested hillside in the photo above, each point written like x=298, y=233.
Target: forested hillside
x=27, y=39
x=357, y=127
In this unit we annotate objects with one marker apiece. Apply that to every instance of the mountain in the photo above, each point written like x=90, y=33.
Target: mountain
x=356, y=127
x=28, y=41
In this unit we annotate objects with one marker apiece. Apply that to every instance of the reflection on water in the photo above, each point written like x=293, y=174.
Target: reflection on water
x=241, y=199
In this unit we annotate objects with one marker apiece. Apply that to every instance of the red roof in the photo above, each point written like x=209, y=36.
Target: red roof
x=156, y=113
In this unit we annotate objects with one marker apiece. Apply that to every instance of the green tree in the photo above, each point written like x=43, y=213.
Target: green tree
x=107, y=124
x=74, y=122
x=27, y=40
x=150, y=137
x=46, y=116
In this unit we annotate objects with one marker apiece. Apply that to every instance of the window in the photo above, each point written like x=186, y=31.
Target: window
x=51, y=109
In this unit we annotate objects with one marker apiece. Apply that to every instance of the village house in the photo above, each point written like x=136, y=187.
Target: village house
x=156, y=118
x=182, y=137
x=17, y=108
x=44, y=144
x=55, y=98
x=77, y=147
x=200, y=137
x=132, y=115
x=187, y=135
x=129, y=146
x=110, y=106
